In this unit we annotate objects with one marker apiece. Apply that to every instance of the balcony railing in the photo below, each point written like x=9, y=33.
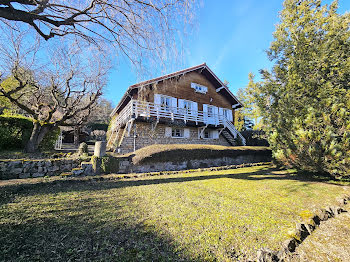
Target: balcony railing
x=136, y=108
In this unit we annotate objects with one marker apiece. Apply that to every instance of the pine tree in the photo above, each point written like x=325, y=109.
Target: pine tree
x=305, y=99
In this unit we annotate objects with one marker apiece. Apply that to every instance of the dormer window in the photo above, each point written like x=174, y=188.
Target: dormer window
x=199, y=88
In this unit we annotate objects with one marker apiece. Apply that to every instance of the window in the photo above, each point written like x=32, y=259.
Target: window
x=226, y=113
x=177, y=132
x=210, y=111
x=188, y=106
x=165, y=102
x=199, y=88
x=208, y=134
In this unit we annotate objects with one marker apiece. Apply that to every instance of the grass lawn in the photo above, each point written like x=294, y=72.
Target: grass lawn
x=211, y=215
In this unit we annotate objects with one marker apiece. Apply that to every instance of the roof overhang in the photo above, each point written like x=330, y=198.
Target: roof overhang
x=203, y=68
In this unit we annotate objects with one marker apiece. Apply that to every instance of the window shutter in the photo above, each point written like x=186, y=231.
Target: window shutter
x=221, y=111
x=195, y=108
x=174, y=104
x=187, y=133
x=215, y=134
x=216, y=114
x=230, y=117
x=168, y=131
x=205, y=108
x=181, y=103
x=205, y=113
x=157, y=99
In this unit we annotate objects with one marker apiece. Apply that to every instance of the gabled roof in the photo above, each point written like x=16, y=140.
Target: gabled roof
x=204, y=69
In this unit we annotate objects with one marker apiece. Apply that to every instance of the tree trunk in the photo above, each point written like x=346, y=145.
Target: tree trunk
x=36, y=137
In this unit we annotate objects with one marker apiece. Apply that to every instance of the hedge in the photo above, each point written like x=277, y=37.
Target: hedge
x=15, y=132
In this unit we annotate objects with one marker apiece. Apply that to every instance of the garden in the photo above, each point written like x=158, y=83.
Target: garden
x=200, y=216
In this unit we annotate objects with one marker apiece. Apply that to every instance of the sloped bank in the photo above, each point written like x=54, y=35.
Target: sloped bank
x=158, y=158
x=302, y=231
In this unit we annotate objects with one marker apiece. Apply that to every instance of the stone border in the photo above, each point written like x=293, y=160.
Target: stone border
x=136, y=175
x=301, y=232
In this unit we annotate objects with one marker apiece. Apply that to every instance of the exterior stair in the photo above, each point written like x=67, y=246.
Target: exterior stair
x=232, y=135
x=229, y=137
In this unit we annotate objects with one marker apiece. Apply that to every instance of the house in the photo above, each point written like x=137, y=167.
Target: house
x=191, y=106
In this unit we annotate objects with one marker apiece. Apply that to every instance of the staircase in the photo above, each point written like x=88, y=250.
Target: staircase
x=232, y=134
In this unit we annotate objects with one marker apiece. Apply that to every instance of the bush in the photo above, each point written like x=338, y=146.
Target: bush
x=98, y=135
x=106, y=164
x=83, y=149
x=14, y=131
x=49, y=140
x=255, y=138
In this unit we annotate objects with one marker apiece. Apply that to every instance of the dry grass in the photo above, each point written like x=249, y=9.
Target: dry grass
x=183, y=152
x=203, y=216
x=330, y=242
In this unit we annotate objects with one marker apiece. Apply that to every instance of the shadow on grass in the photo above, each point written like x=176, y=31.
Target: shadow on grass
x=8, y=192
x=81, y=231
x=75, y=232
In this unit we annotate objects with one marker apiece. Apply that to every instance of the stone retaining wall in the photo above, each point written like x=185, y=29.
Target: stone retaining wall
x=22, y=168
x=126, y=165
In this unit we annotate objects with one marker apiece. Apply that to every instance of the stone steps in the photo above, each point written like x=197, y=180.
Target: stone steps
x=85, y=169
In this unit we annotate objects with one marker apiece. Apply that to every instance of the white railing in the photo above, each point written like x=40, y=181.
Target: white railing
x=136, y=108
x=58, y=143
x=124, y=116
x=235, y=132
x=147, y=109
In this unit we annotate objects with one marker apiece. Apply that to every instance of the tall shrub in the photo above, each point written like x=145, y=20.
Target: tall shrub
x=15, y=131
x=305, y=99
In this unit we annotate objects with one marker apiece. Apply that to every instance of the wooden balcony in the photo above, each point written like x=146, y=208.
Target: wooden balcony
x=145, y=110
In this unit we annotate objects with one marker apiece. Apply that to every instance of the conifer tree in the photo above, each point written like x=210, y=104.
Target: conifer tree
x=305, y=99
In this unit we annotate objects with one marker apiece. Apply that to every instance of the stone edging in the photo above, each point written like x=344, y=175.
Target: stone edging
x=301, y=232
x=135, y=175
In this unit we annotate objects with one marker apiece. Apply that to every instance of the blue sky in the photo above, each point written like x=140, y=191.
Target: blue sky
x=230, y=36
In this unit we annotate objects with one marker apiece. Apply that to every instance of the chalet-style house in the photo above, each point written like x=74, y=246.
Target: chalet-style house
x=191, y=106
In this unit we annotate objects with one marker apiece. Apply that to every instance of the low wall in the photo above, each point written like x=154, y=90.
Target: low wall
x=22, y=168
x=126, y=165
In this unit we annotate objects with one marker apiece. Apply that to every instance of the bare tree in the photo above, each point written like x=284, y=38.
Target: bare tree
x=57, y=91
x=141, y=29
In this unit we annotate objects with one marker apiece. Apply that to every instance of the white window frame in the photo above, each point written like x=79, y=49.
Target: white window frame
x=226, y=112
x=212, y=109
x=181, y=132
x=165, y=99
x=189, y=109
x=199, y=88
x=210, y=134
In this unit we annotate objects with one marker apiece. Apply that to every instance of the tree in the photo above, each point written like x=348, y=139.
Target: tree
x=305, y=99
x=250, y=112
x=56, y=92
x=101, y=112
x=139, y=29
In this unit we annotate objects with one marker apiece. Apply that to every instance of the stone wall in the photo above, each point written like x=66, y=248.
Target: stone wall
x=146, y=137
x=126, y=165
x=21, y=168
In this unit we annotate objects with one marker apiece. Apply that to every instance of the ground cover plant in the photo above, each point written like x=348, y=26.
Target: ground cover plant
x=201, y=216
